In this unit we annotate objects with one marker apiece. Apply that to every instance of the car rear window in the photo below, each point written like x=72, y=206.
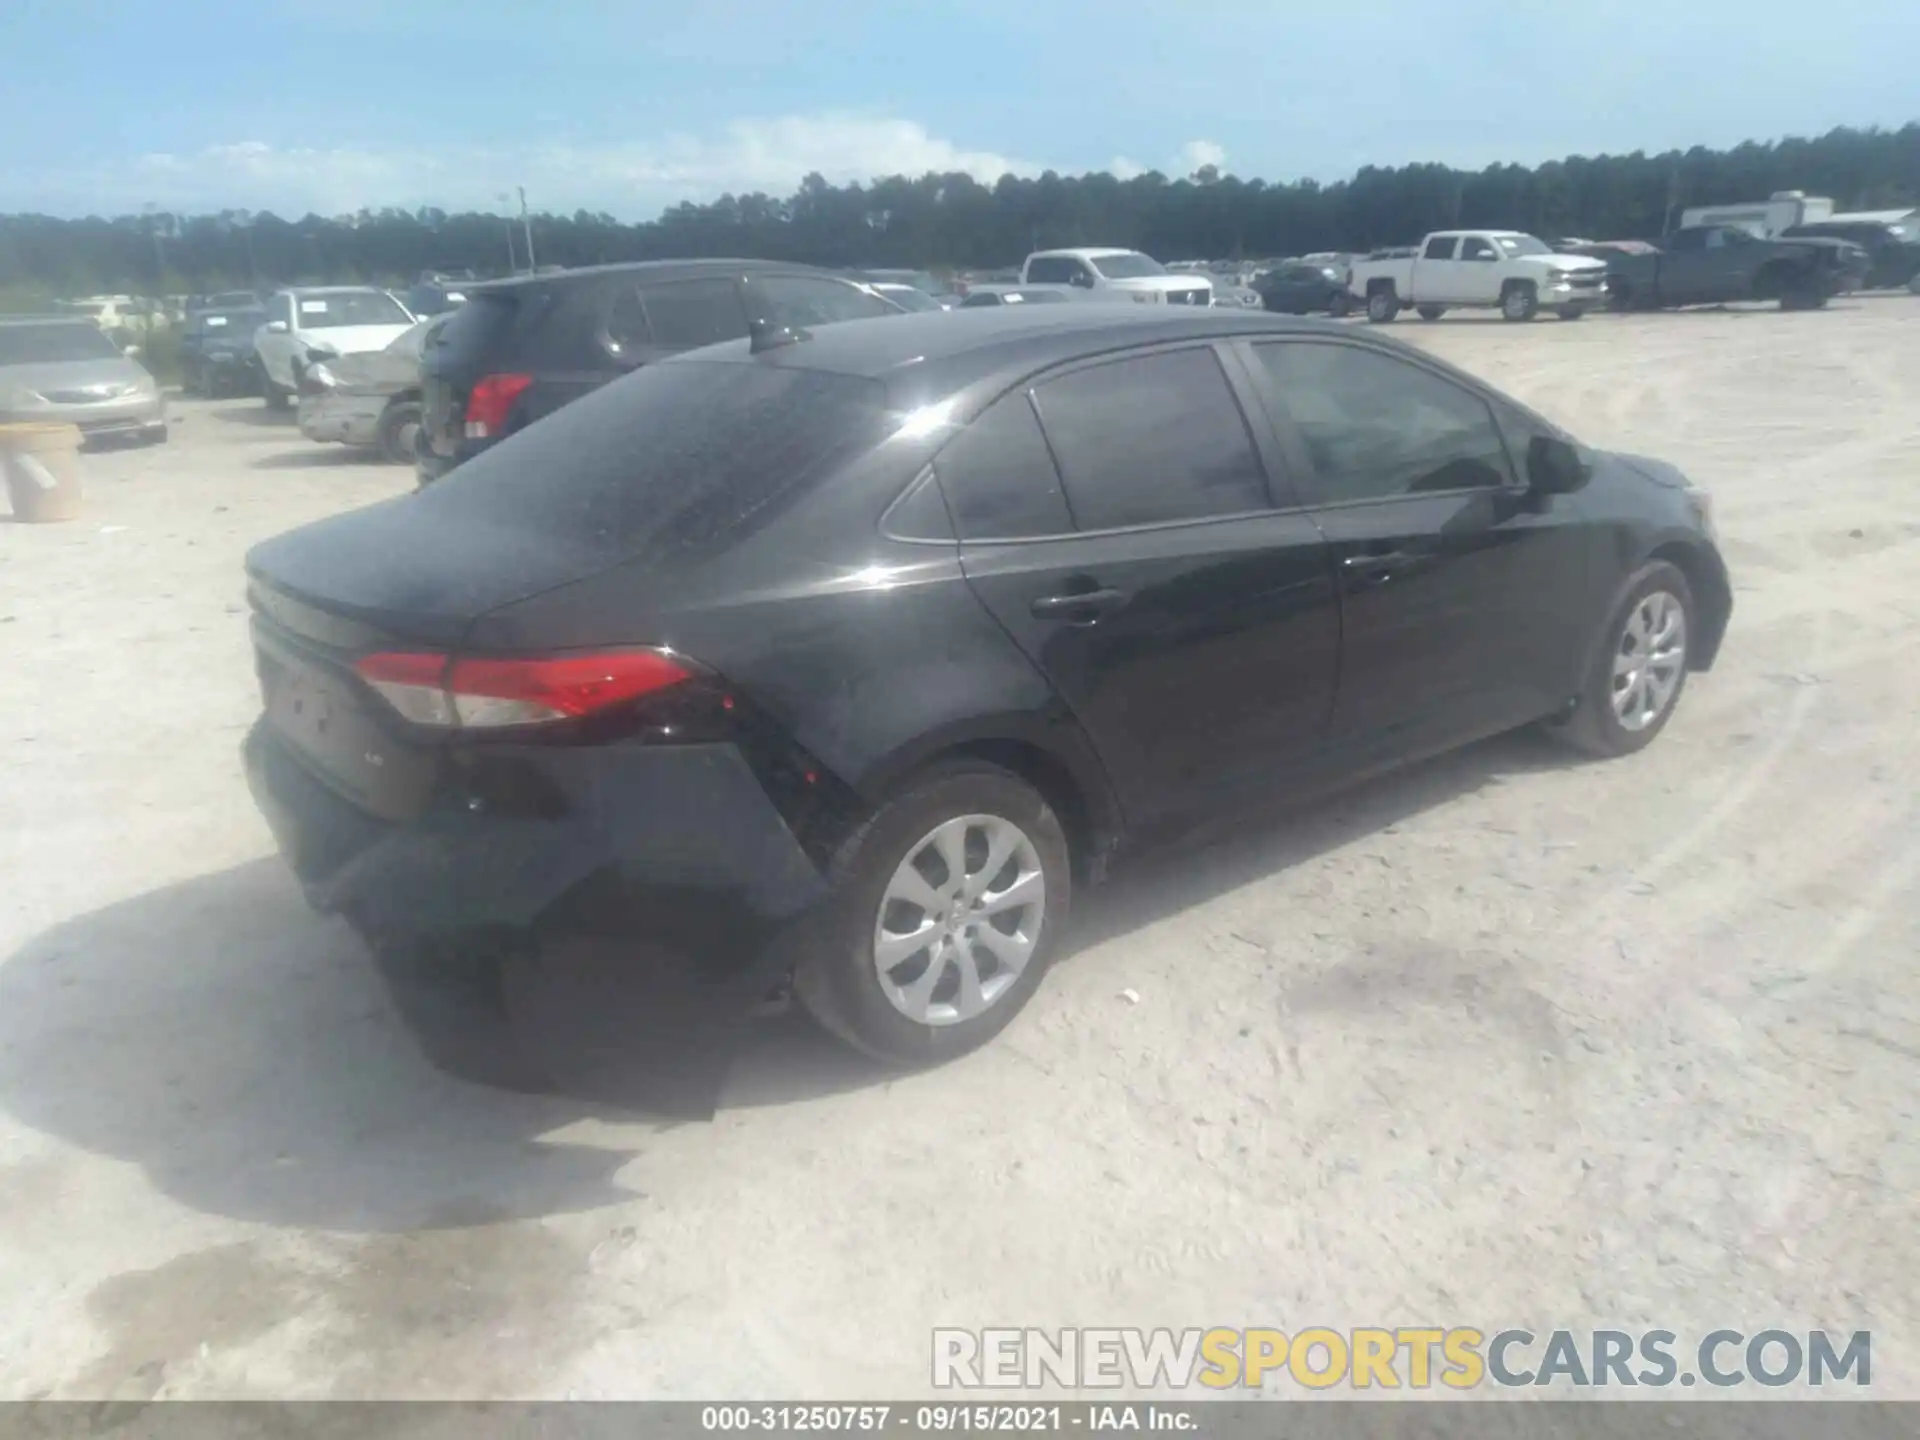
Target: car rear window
x=673, y=457
x=467, y=337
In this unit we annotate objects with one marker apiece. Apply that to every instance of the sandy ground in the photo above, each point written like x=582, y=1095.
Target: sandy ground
x=1503, y=1040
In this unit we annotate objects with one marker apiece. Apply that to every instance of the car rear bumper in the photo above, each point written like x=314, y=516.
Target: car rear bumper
x=671, y=848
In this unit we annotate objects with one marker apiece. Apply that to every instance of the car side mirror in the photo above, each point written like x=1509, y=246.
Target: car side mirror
x=1555, y=466
x=276, y=327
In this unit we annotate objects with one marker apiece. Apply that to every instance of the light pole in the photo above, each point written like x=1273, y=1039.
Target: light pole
x=512, y=266
x=527, y=225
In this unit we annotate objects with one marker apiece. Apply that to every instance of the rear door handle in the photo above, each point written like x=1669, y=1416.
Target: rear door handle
x=1084, y=605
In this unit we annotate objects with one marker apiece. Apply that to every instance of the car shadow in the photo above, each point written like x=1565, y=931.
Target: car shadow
x=324, y=456
x=244, y=1053
x=253, y=413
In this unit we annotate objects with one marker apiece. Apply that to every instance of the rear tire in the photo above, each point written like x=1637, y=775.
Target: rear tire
x=1598, y=724
x=1573, y=312
x=1430, y=312
x=839, y=977
x=1382, y=305
x=399, y=432
x=1519, y=301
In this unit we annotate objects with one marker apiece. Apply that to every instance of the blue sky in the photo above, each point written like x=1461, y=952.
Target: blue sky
x=329, y=105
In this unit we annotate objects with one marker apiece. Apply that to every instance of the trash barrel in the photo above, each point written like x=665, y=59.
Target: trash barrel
x=42, y=464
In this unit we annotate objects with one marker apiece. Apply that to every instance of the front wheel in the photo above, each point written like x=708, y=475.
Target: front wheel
x=399, y=432
x=1803, y=298
x=1573, y=312
x=947, y=905
x=1636, y=678
x=1520, y=302
x=1340, y=306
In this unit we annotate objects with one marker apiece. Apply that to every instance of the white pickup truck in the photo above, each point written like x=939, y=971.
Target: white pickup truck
x=1108, y=274
x=1488, y=268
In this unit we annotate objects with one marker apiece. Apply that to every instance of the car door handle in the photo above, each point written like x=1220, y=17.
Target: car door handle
x=1084, y=605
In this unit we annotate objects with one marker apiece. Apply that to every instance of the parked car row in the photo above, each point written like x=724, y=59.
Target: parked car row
x=1520, y=275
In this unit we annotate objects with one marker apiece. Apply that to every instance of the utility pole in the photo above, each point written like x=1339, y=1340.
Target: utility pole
x=527, y=225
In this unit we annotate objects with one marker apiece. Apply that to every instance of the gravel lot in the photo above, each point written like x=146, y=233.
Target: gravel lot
x=1506, y=1039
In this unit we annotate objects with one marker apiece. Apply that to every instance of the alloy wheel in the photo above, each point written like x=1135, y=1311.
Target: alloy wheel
x=959, y=920
x=1649, y=660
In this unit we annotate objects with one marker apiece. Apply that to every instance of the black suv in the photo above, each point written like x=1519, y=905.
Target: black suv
x=520, y=349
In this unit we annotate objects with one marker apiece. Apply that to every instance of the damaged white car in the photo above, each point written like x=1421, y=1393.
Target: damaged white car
x=370, y=400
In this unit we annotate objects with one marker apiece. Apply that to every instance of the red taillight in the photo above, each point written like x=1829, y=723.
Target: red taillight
x=489, y=402
x=480, y=693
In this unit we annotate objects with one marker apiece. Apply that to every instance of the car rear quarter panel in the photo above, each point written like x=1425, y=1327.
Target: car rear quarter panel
x=871, y=653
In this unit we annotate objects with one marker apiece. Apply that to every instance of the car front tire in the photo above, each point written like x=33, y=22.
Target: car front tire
x=947, y=906
x=1640, y=669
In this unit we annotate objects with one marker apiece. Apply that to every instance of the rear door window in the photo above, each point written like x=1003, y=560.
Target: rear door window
x=1439, y=248
x=685, y=314
x=1151, y=439
x=1051, y=270
x=999, y=478
x=800, y=301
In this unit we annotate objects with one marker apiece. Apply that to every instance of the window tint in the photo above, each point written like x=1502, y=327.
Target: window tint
x=999, y=477
x=1051, y=270
x=687, y=313
x=677, y=457
x=1439, y=248
x=625, y=327
x=1375, y=426
x=1477, y=247
x=1151, y=439
x=1686, y=240
x=806, y=300
x=979, y=300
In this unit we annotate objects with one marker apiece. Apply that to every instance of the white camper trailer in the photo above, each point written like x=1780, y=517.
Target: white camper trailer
x=1764, y=218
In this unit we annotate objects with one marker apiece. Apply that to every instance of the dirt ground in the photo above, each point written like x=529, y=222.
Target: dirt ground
x=1505, y=1040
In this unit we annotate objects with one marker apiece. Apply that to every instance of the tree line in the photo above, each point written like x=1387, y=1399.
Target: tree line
x=951, y=221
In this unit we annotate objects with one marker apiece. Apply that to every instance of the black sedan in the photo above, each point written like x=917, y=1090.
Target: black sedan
x=846, y=657
x=1305, y=288
x=216, y=350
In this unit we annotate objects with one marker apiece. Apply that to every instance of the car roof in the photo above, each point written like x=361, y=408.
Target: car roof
x=927, y=355
x=333, y=290
x=655, y=269
x=62, y=319
x=1086, y=252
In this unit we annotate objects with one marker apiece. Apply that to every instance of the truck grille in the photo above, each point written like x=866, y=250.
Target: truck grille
x=1587, y=279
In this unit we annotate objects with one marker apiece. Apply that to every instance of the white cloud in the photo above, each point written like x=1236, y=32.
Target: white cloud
x=1121, y=168
x=1196, y=153
x=635, y=179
